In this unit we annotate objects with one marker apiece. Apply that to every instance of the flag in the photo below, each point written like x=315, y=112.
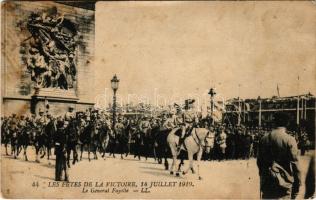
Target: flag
x=278, y=89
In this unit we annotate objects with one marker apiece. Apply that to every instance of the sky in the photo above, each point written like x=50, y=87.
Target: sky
x=242, y=49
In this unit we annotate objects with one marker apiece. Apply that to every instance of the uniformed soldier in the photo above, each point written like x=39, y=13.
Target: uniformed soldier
x=190, y=119
x=221, y=141
x=278, y=153
x=119, y=126
x=40, y=120
x=60, y=151
x=168, y=123
x=70, y=114
x=144, y=125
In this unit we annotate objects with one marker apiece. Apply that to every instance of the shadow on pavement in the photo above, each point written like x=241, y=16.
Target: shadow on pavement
x=153, y=168
x=164, y=173
x=44, y=177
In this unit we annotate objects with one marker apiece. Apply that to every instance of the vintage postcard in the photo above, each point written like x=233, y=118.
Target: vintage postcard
x=158, y=99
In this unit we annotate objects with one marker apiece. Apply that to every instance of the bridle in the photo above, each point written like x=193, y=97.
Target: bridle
x=199, y=142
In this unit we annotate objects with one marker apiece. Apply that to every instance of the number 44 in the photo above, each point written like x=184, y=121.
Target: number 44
x=35, y=184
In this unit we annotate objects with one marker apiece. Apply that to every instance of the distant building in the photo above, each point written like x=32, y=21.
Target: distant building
x=301, y=110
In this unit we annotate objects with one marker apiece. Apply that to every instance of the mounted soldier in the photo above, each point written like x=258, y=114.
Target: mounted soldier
x=145, y=134
x=168, y=123
x=190, y=119
x=14, y=134
x=121, y=136
x=70, y=114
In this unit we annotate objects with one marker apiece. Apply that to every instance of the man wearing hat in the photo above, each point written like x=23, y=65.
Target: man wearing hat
x=144, y=125
x=190, y=119
x=60, y=151
x=278, y=162
x=40, y=120
x=70, y=114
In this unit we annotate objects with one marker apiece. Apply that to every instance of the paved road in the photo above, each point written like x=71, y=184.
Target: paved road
x=237, y=179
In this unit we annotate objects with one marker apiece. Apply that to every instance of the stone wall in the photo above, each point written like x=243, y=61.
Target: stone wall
x=16, y=85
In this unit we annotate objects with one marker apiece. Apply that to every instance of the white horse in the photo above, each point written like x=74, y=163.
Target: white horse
x=200, y=139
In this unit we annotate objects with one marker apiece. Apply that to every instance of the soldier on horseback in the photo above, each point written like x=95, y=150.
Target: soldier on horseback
x=189, y=120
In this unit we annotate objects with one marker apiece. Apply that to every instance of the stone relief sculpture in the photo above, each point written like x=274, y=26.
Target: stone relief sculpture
x=50, y=51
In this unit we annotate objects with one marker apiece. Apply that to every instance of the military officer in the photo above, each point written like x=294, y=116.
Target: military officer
x=168, y=123
x=70, y=114
x=60, y=151
x=190, y=119
x=144, y=125
x=119, y=126
x=40, y=120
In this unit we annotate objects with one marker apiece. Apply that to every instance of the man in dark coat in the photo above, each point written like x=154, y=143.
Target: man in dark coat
x=278, y=153
x=60, y=151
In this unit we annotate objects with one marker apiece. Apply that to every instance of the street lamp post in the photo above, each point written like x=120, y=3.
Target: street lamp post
x=114, y=84
x=259, y=100
x=212, y=93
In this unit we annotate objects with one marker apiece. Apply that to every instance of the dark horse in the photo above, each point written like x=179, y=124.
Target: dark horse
x=5, y=134
x=25, y=139
x=148, y=143
x=72, y=141
x=47, y=137
x=104, y=137
x=161, y=146
x=38, y=141
x=89, y=137
x=123, y=141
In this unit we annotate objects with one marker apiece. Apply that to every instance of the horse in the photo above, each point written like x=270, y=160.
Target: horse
x=139, y=143
x=148, y=142
x=195, y=143
x=161, y=146
x=123, y=140
x=38, y=141
x=72, y=142
x=48, y=133
x=5, y=135
x=104, y=138
x=89, y=137
x=24, y=140
x=14, y=142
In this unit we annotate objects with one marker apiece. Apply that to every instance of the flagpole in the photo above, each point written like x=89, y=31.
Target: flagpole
x=298, y=103
x=239, y=108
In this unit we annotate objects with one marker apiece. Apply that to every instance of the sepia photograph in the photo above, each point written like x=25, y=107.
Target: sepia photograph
x=158, y=99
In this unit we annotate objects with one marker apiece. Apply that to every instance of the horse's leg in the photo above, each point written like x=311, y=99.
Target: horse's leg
x=36, y=152
x=6, y=149
x=198, y=159
x=174, y=159
x=81, y=150
x=127, y=149
x=179, y=167
x=89, y=146
x=165, y=154
x=166, y=163
x=43, y=150
x=74, y=154
x=190, y=158
x=68, y=150
x=19, y=149
x=25, y=156
x=95, y=152
x=14, y=148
